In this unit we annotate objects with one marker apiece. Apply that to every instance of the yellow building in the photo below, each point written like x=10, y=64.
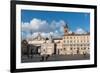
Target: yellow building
x=76, y=43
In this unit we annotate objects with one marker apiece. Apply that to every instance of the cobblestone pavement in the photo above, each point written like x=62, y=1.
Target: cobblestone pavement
x=38, y=58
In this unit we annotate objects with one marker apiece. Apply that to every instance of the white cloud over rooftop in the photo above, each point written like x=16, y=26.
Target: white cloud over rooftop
x=54, y=28
x=80, y=31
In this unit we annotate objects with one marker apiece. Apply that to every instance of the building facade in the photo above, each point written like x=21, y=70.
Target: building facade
x=68, y=44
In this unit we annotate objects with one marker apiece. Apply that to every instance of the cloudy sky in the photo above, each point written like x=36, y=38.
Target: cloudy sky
x=51, y=22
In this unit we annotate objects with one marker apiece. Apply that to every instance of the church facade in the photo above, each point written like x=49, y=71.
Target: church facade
x=68, y=44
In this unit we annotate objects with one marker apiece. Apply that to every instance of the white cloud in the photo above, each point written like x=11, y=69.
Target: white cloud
x=80, y=31
x=38, y=25
x=70, y=32
x=45, y=34
x=34, y=34
x=55, y=28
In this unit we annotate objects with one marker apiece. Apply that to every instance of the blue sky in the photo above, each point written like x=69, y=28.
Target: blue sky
x=74, y=20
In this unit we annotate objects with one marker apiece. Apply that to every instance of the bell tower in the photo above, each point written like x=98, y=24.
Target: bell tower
x=65, y=29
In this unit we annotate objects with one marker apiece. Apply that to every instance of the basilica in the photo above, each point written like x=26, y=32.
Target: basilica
x=68, y=44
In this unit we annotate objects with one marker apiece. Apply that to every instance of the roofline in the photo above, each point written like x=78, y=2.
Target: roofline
x=75, y=34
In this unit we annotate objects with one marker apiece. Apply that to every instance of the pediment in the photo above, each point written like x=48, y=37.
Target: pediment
x=39, y=37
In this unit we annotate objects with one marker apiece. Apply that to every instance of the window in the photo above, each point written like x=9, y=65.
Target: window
x=87, y=40
x=77, y=48
x=67, y=37
x=64, y=37
x=77, y=44
x=67, y=41
x=84, y=48
x=88, y=44
x=73, y=44
x=70, y=48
